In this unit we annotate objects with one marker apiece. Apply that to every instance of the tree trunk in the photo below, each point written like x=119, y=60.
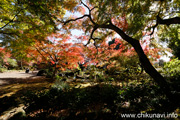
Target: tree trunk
x=147, y=65
x=158, y=78
x=54, y=72
x=21, y=64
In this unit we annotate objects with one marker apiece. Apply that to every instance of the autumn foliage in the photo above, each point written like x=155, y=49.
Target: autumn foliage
x=4, y=55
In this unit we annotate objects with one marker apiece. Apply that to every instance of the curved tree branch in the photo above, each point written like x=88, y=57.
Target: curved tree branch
x=86, y=6
x=175, y=20
x=153, y=28
x=91, y=36
x=90, y=10
x=160, y=21
x=158, y=78
x=86, y=15
x=68, y=21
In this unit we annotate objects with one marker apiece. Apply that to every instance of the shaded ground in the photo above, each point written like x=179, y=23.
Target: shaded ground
x=85, y=101
x=13, y=85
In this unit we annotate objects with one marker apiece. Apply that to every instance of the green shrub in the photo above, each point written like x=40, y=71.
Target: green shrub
x=172, y=68
x=144, y=96
x=126, y=68
x=2, y=70
x=12, y=63
x=60, y=85
x=171, y=71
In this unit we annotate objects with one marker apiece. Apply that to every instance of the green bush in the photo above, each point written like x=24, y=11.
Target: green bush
x=172, y=68
x=144, y=96
x=2, y=70
x=60, y=85
x=12, y=63
x=126, y=68
x=171, y=71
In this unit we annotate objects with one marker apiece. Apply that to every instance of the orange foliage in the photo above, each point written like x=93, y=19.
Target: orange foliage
x=4, y=54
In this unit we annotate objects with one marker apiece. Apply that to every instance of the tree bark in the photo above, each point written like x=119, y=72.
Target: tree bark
x=175, y=20
x=159, y=79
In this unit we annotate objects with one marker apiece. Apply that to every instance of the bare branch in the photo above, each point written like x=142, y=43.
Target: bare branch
x=11, y=19
x=153, y=28
x=75, y=19
x=86, y=15
x=86, y=6
x=92, y=20
x=89, y=12
x=48, y=54
x=91, y=36
x=40, y=53
x=93, y=8
x=175, y=20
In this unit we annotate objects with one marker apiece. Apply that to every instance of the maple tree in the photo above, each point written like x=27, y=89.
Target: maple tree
x=3, y=56
x=106, y=53
x=56, y=52
x=128, y=19
x=6, y=60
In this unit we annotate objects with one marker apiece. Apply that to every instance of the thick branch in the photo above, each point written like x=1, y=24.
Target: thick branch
x=86, y=15
x=142, y=57
x=127, y=38
x=91, y=36
x=154, y=28
x=175, y=20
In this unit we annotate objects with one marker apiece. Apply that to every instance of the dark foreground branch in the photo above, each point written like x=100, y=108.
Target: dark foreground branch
x=175, y=20
x=68, y=21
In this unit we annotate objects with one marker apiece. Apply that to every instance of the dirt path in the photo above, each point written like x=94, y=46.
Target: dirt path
x=15, y=76
x=13, y=85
